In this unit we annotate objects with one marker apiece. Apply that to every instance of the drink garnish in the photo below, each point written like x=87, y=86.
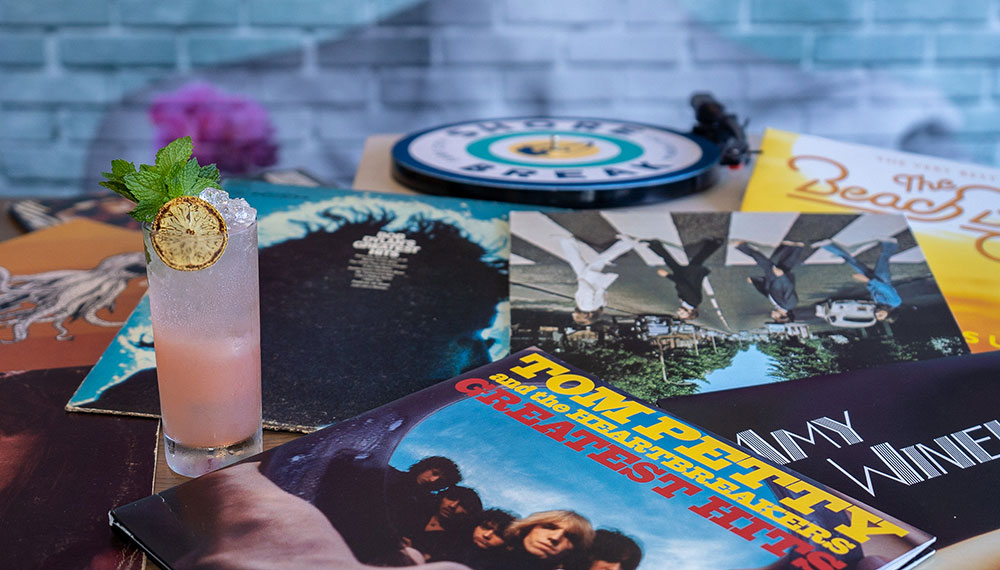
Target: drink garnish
x=174, y=174
x=188, y=234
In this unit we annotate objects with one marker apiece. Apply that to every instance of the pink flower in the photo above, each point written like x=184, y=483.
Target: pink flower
x=230, y=131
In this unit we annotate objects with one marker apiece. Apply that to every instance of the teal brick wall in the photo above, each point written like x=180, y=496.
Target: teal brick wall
x=870, y=48
x=263, y=50
x=27, y=125
x=77, y=76
x=136, y=51
x=179, y=13
x=934, y=13
x=828, y=12
x=307, y=13
x=55, y=12
x=26, y=51
x=376, y=51
x=969, y=47
x=763, y=47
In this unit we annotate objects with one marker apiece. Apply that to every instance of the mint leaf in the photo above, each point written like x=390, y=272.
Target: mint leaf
x=174, y=174
x=115, y=179
x=150, y=191
x=146, y=184
x=118, y=188
x=203, y=183
x=209, y=171
x=185, y=181
x=121, y=168
x=170, y=178
x=146, y=211
x=177, y=152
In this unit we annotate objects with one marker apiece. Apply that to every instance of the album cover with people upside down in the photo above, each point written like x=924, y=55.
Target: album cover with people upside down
x=668, y=304
x=526, y=463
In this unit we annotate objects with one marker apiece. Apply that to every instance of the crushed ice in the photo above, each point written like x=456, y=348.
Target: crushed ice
x=236, y=211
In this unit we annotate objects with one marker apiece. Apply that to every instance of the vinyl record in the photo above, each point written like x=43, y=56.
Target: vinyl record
x=555, y=161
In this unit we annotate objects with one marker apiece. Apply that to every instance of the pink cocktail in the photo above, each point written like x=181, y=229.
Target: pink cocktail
x=204, y=413
x=206, y=333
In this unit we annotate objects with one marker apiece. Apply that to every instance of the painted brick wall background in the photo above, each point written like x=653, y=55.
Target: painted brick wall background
x=77, y=77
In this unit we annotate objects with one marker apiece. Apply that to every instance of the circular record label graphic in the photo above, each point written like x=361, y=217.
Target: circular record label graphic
x=559, y=161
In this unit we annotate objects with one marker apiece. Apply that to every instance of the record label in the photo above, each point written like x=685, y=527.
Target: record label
x=552, y=160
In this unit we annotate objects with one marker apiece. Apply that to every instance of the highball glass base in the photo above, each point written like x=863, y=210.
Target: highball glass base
x=196, y=461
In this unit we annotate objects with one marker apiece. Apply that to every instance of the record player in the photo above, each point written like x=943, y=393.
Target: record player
x=576, y=162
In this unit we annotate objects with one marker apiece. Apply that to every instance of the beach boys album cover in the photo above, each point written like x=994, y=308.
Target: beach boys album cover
x=665, y=304
x=526, y=463
x=953, y=208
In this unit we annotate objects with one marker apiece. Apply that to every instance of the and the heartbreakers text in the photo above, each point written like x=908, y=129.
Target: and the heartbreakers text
x=650, y=447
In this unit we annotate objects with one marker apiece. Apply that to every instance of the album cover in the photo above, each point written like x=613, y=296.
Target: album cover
x=64, y=293
x=347, y=277
x=61, y=472
x=951, y=206
x=918, y=440
x=666, y=304
x=567, y=471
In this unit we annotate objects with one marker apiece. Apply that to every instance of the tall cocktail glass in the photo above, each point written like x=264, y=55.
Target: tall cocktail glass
x=206, y=335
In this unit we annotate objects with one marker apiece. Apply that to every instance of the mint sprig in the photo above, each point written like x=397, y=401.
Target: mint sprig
x=174, y=174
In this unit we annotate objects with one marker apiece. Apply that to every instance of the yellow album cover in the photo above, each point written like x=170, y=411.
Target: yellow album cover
x=953, y=210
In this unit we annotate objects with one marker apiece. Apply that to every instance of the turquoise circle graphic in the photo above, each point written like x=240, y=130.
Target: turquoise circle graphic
x=627, y=150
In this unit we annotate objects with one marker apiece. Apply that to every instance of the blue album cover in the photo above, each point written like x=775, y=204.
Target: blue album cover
x=345, y=275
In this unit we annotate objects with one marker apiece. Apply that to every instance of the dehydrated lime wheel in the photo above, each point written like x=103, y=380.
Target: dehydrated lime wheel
x=188, y=234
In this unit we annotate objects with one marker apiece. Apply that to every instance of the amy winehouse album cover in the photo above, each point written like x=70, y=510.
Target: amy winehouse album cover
x=667, y=304
x=526, y=463
x=347, y=277
x=918, y=440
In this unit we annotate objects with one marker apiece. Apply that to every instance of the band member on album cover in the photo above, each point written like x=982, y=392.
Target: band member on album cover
x=547, y=540
x=687, y=278
x=778, y=281
x=878, y=281
x=592, y=282
x=482, y=548
x=612, y=550
x=445, y=523
x=409, y=491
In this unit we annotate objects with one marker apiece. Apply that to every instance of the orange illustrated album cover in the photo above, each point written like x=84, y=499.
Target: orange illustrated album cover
x=952, y=208
x=65, y=291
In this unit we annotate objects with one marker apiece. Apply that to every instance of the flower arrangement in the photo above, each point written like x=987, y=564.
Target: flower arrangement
x=233, y=132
